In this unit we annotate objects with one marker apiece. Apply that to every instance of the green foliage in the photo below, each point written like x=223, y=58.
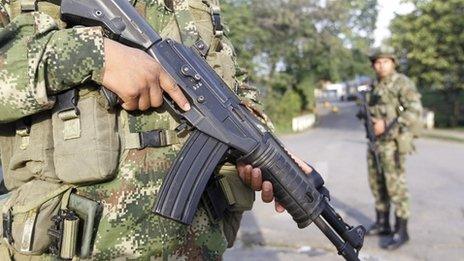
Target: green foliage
x=443, y=104
x=282, y=108
x=289, y=46
x=305, y=90
x=430, y=42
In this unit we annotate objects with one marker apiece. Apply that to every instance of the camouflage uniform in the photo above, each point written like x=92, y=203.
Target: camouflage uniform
x=395, y=96
x=40, y=58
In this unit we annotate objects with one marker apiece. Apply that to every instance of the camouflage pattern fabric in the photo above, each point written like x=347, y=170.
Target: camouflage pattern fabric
x=392, y=97
x=129, y=229
x=392, y=93
x=65, y=58
x=390, y=186
x=37, y=60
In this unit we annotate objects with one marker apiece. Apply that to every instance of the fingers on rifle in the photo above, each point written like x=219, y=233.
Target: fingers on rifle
x=173, y=90
x=156, y=96
x=279, y=208
x=256, y=179
x=144, y=100
x=305, y=167
x=130, y=103
x=241, y=171
x=248, y=170
x=267, y=195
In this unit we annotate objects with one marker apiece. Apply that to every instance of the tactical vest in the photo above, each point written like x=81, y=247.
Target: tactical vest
x=385, y=104
x=62, y=133
x=81, y=139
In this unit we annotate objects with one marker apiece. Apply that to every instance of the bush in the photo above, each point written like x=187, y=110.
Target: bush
x=282, y=108
x=443, y=103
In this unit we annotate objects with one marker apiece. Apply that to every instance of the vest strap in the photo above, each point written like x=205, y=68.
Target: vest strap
x=28, y=5
x=69, y=114
x=152, y=139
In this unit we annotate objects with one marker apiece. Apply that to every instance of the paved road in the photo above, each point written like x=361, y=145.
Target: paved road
x=337, y=148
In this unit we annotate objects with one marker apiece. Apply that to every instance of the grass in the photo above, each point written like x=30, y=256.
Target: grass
x=443, y=136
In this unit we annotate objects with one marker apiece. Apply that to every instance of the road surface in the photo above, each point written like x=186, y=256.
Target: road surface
x=337, y=148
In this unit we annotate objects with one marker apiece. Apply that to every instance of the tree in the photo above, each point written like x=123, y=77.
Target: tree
x=430, y=42
x=291, y=45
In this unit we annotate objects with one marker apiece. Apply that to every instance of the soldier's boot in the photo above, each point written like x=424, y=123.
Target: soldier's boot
x=400, y=236
x=381, y=225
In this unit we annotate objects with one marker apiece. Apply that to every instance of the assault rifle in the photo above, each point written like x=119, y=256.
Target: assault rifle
x=222, y=128
x=364, y=114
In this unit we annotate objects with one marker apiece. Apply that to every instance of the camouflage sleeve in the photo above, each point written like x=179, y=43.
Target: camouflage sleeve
x=38, y=59
x=410, y=101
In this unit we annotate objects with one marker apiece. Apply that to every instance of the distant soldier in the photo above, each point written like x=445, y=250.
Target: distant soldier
x=394, y=102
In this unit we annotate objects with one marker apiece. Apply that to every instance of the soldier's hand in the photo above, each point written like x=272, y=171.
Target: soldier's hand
x=379, y=126
x=138, y=79
x=253, y=178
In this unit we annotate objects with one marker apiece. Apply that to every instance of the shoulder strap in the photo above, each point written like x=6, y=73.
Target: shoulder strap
x=189, y=32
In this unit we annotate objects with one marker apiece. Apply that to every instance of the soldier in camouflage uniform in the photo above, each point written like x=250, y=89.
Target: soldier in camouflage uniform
x=40, y=58
x=393, y=97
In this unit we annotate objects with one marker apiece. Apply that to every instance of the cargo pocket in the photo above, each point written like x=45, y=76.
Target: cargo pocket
x=31, y=151
x=85, y=137
x=404, y=142
x=27, y=216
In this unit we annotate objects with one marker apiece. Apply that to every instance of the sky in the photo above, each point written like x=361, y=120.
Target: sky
x=387, y=10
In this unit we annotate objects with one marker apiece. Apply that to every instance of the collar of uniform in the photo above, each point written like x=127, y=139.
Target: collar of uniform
x=389, y=78
x=168, y=4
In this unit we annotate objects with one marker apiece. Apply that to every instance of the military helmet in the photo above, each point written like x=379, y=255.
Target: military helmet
x=383, y=52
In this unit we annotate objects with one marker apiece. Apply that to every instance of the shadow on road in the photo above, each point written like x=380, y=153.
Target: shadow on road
x=351, y=212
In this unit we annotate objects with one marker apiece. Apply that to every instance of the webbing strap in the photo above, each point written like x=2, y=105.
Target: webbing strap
x=155, y=138
x=66, y=106
x=23, y=130
x=65, y=198
x=218, y=29
x=28, y=5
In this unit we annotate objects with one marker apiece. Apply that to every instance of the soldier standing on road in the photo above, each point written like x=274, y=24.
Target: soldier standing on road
x=393, y=96
x=58, y=138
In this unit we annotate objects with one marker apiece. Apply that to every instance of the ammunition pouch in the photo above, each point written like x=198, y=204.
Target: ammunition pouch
x=238, y=198
x=42, y=217
x=85, y=138
x=77, y=142
x=27, y=150
x=26, y=216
